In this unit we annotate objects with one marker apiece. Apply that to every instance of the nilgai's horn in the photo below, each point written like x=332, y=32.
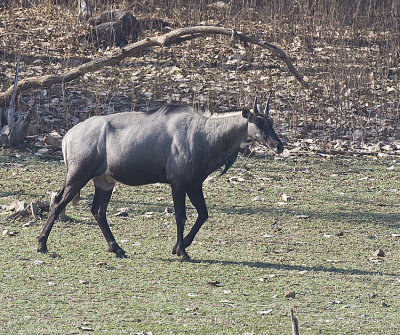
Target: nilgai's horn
x=255, y=108
x=266, y=110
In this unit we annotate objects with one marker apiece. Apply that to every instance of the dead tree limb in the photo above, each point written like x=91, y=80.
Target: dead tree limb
x=174, y=37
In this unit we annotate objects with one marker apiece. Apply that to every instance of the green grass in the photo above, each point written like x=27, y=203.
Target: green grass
x=257, y=250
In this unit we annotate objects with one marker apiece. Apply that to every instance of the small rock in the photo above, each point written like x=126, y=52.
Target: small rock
x=112, y=28
x=28, y=224
x=215, y=283
x=210, y=180
x=53, y=139
x=169, y=211
x=302, y=216
x=379, y=253
x=235, y=179
x=218, y=5
x=122, y=214
x=4, y=135
x=100, y=264
x=301, y=169
x=265, y=312
x=43, y=151
x=284, y=197
x=6, y=232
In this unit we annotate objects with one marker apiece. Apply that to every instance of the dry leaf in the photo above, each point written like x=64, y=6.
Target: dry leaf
x=302, y=216
x=265, y=312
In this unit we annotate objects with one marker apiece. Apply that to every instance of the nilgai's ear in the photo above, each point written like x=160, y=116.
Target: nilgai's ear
x=247, y=114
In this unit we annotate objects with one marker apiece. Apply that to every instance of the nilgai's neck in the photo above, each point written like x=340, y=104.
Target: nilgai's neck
x=226, y=133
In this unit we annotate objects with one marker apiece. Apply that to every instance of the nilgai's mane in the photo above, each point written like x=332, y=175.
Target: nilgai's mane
x=167, y=109
x=176, y=109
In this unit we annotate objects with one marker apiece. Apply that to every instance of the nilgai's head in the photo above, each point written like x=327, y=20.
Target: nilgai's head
x=261, y=127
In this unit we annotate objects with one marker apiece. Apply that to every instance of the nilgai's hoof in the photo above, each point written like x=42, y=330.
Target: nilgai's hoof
x=115, y=248
x=185, y=259
x=185, y=244
x=120, y=253
x=42, y=248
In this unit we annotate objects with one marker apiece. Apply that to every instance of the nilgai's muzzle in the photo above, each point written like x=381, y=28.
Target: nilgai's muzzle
x=279, y=148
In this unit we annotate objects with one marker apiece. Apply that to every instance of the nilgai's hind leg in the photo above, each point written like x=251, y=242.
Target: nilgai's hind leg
x=99, y=207
x=197, y=199
x=179, y=196
x=63, y=197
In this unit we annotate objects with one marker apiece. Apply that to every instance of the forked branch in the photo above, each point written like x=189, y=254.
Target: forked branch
x=174, y=37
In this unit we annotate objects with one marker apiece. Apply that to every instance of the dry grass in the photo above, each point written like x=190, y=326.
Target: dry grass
x=350, y=50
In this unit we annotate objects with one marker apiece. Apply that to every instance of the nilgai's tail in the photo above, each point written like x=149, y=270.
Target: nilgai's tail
x=75, y=200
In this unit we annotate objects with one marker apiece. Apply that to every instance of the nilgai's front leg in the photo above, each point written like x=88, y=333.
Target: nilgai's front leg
x=99, y=207
x=179, y=195
x=197, y=198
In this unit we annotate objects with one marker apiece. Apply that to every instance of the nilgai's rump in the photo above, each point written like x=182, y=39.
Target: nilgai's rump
x=172, y=144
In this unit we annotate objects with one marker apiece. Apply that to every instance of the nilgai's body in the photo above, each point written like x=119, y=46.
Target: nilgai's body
x=172, y=144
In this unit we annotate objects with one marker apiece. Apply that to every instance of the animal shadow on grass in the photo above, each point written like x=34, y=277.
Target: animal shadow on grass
x=286, y=267
x=390, y=219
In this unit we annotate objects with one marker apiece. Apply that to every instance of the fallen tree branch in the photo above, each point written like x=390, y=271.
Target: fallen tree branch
x=174, y=37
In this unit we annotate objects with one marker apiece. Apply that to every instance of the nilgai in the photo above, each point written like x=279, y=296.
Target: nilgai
x=177, y=145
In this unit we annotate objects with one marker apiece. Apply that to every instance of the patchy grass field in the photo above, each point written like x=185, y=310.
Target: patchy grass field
x=319, y=244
